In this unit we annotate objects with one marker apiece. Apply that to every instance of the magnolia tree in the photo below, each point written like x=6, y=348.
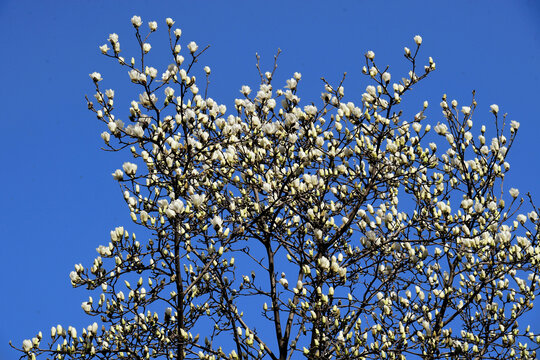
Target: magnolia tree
x=276, y=230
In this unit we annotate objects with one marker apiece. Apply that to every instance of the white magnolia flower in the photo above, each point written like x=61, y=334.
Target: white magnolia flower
x=113, y=38
x=514, y=125
x=418, y=40
x=216, y=222
x=197, y=200
x=146, y=47
x=192, y=46
x=27, y=345
x=370, y=55
x=106, y=137
x=118, y=175
x=130, y=168
x=177, y=206
x=147, y=101
x=136, y=21
x=152, y=25
x=104, y=48
x=74, y=276
x=324, y=263
x=284, y=282
x=96, y=76
x=169, y=21
x=521, y=218
x=207, y=70
x=86, y=306
x=151, y=71
x=178, y=33
x=291, y=84
x=494, y=108
x=466, y=110
x=104, y=250
x=514, y=192
x=386, y=77
x=245, y=90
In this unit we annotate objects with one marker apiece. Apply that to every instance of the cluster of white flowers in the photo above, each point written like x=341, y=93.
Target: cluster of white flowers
x=317, y=187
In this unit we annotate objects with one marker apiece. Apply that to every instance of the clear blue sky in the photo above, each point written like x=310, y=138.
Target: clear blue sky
x=59, y=201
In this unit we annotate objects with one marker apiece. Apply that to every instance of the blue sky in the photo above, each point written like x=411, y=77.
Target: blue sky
x=59, y=201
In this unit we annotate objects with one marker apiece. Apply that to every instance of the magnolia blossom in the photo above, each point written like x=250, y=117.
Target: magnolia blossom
x=146, y=100
x=96, y=76
x=466, y=110
x=246, y=90
x=514, y=125
x=86, y=306
x=137, y=76
x=169, y=21
x=178, y=33
x=146, y=47
x=152, y=25
x=113, y=38
x=370, y=55
x=216, y=222
x=130, y=168
x=177, y=206
x=197, y=199
x=74, y=276
x=151, y=71
x=136, y=21
x=494, y=108
x=27, y=345
x=104, y=48
x=192, y=46
x=106, y=136
x=418, y=40
x=514, y=192
x=118, y=175
x=386, y=77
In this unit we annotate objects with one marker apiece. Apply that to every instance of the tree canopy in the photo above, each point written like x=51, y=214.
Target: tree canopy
x=281, y=229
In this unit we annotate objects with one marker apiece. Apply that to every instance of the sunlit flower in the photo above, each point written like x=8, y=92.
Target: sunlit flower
x=86, y=306
x=113, y=38
x=197, y=200
x=129, y=168
x=216, y=222
x=118, y=175
x=136, y=21
x=418, y=40
x=74, y=276
x=27, y=345
x=152, y=25
x=104, y=48
x=514, y=192
x=192, y=46
x=96, y=76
